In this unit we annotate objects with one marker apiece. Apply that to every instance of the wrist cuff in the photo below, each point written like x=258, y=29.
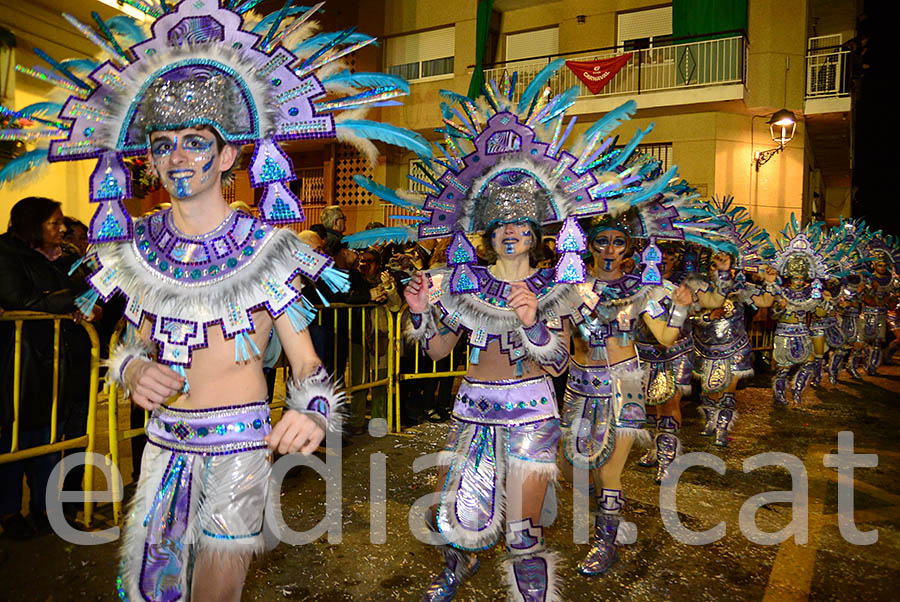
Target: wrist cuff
x=422, y=327
x=317, y=395
x=543, y=346
x=119, y=360
x=678, y=315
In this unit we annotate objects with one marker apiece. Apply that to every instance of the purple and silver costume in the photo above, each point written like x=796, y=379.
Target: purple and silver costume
x=204, y=485
x=501, y=431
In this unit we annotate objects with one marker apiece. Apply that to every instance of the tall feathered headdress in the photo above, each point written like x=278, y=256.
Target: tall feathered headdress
x=731, y=229
x=502, y=160
x=255, y=80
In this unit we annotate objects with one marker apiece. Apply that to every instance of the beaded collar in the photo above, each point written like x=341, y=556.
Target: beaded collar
x=199, y=260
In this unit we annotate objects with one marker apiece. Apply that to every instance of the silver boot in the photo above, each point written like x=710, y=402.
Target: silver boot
x=668, y=446
x=604, y=550
x=708, y=410
x=460, y=565
x=530, y=570
x=725, y=419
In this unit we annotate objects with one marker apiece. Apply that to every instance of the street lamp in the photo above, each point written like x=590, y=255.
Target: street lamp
x=782, y=126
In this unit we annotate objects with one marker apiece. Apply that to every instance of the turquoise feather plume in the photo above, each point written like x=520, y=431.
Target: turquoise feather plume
x=127, y=28
x=384, y=193
x=367, y=80
x=611, y=120
x=377, y=236
x=387, y=133
x=323, y=39
x=18, y=166
x=79, y=64
x=538, y=83
x=40, y=108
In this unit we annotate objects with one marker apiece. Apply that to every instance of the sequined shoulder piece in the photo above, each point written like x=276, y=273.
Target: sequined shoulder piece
x=183, y=284
x=486, y=314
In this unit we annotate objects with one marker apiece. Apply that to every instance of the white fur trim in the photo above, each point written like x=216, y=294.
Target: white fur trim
x=641, y=436
x=554, y=583
x=553, y=353
x=299, y=395
x=126, y=352
x=426, y=330
x=525, y=467
x=278, y=257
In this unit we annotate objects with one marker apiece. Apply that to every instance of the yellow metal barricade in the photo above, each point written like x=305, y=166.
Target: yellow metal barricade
x=420, y=367
x=18, y=318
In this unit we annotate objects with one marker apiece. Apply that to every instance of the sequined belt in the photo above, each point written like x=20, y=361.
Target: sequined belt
x=506, y=402
x=596, y=381
x=824, y=323
x=657, y=353
x=210, y=432
x=784, y=329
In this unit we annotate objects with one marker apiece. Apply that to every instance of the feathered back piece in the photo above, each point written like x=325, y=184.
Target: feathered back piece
x=821, y=255
x=731, y=229
x=256, y=80
x=503, y=160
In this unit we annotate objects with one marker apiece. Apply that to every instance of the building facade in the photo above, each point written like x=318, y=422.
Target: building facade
x=708, y=75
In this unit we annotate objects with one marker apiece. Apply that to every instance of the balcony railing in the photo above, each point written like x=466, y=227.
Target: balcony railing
x=676, y=67
x=827, y=73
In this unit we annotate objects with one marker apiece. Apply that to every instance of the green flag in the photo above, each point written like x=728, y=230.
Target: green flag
x=482, y=29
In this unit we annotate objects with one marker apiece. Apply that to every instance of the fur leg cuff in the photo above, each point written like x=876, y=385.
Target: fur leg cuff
x=317, y=395
x=122, y=356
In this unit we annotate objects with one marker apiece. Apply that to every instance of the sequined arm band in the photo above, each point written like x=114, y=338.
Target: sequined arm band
x=677, y=315
x=543, y=345
x=318, y=396
x=422, y=327
x=123, y=355
x=724, y=282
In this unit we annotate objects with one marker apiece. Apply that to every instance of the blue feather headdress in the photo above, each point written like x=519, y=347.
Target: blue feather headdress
x=271, y=94
x=503, y=160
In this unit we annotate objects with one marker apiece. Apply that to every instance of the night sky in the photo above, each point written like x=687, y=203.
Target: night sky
x=875, y=170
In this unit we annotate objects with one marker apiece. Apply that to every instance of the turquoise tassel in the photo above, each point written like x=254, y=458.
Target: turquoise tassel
x=76, y=265
x=85, y=301
x=301, y=315
x=519, y=369
x=473, y=355
x=337, y=280
x=180, y=370
x=241, y=354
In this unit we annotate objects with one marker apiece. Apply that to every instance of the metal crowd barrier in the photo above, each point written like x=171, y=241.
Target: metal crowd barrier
x=89, y=438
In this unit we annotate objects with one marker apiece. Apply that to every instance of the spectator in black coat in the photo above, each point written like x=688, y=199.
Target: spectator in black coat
x=34, y=266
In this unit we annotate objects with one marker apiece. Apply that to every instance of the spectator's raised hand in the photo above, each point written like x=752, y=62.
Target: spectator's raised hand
x=416, y=293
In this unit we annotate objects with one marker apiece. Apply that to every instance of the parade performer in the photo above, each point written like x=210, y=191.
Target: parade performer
x=670, y=369
x=880, y=288
x=607, y=385
x=803, y=260
x=723, y=350
x=847, y=304
x=205, y=285
x=506, y=172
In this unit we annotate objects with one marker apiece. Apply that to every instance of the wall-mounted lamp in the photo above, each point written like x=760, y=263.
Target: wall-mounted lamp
x=782, y=126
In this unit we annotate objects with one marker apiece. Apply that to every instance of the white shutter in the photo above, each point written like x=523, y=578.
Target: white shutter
x=421, y=46
x=645, y=24
x=541, y=42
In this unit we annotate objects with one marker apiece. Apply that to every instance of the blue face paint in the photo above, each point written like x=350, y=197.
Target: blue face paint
x=191, y=168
